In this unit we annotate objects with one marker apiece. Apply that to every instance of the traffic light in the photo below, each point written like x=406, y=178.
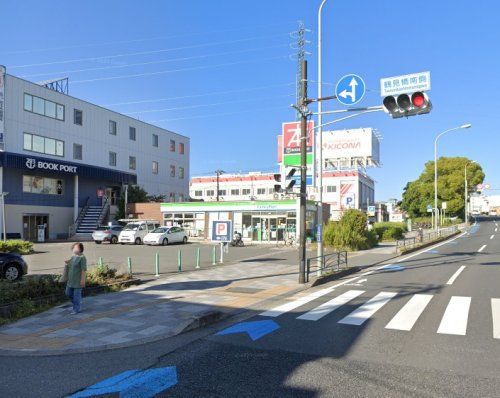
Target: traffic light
x=278, y=188
x=413, y=104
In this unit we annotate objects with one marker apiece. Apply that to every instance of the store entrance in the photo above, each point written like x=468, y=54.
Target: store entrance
x=268, y=228
x=30, y=226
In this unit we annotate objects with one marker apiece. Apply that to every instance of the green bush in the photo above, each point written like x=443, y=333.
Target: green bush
x=16, y=246
x=100, y=274
x=30, y=287
x=390, y=231
x=350, y=232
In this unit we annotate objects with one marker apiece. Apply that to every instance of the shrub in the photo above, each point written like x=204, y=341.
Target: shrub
x=100, y=274
x=389, y=231
x=16, y=246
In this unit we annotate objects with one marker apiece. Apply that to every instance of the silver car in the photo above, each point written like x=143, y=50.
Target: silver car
x=107, y=233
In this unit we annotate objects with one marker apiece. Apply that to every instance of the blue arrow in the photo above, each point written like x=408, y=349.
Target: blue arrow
x=392, y=267
x=255, y=330
x=134, y=383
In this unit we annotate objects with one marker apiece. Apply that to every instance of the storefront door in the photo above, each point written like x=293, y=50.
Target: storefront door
x=30, y=226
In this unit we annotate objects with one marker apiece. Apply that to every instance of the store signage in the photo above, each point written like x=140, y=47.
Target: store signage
x=222, y=231
x=348, y=144
x=33, y=164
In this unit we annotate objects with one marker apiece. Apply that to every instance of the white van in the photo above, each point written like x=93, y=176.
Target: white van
x=136, y=230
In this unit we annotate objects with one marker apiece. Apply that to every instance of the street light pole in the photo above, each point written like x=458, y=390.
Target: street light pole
x=466, y=208
x=436, y=211
x=320, y=144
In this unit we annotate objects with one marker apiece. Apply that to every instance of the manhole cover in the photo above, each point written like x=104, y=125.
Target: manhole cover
x=247, y=290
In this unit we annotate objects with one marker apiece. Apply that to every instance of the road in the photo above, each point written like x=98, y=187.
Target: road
x=425, y=325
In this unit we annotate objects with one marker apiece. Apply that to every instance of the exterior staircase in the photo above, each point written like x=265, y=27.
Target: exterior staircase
x=88, y=220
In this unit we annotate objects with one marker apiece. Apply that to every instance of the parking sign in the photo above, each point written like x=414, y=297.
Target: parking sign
x=222, y=231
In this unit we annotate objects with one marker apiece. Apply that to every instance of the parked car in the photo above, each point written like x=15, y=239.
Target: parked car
x=135, y=231
x=165, y=235
x=12, y=266
x=107, y=233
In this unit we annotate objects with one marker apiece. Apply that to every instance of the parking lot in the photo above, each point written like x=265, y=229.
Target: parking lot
x=49, y=257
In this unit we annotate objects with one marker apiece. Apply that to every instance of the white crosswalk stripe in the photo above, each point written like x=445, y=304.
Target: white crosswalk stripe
x=408, y=315
x=363, y=313
x=495, y=313
x=330, y=306
x=455, y=317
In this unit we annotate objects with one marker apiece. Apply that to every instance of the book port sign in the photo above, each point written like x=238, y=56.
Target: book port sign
x=33, y=164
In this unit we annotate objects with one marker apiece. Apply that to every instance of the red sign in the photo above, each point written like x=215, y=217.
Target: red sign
x=291, y=137
x=100, y=192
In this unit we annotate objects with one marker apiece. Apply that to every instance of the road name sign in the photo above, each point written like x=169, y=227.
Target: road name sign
x=350, y=89
x=405, y=84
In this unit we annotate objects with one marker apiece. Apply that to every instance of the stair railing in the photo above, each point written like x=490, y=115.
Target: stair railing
x=73, y=227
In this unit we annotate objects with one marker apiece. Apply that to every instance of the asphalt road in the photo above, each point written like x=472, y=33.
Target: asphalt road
x=421, y=327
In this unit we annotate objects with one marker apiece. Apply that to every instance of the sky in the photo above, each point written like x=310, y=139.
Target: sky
x=222, y=72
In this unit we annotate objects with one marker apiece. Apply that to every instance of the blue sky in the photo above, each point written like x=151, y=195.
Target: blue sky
x=224, y=76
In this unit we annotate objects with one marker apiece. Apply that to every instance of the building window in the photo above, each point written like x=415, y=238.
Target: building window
x=181, y=173
x=172, y=146
x=131, y=162
x=235, y=192
x=331, y=188
x=112, y=127
x=131, y=133
x=112, y=158
x=77, y=151
x=172, y=197
x=43, y=107
x=172, y=170
x=78, y=117
x=181, y=148
x=222, y=192
x=155, y=167
x=155, y=140
x=271, y=190
x=198, y=193
x=261, y=191
x=245, y=191
x=43, y=185
x=48, y=146
x=210, y=192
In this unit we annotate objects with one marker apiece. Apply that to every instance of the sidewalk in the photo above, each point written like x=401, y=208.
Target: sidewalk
x=161, y=308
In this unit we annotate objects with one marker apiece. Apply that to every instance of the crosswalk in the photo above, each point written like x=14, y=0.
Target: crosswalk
x=454, y=320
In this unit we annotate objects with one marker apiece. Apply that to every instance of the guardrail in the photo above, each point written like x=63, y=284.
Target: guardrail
x=331, y=262
x=425, y=237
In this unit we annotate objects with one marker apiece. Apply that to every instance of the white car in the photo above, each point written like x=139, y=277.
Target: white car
x=136, y=231
x=165, y=235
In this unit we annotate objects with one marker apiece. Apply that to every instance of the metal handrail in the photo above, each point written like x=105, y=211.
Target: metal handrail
x=330, y=262
x=425, y=237
x=75, y=225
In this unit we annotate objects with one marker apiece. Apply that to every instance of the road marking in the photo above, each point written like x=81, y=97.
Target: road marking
x=495, y=312
x=455, y=275
x=281, y=309
x=496, y=229
x=481, y=248
x=492, y=236
x=455, y=317
x=408, y=315
x=360, y=315
x=330, y=306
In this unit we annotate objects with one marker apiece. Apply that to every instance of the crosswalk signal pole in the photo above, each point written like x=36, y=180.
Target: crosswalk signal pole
x=303, y=172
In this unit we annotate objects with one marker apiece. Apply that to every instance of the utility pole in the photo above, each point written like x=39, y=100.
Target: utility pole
x=299, y=46
x=218, y=172
x=302, y=107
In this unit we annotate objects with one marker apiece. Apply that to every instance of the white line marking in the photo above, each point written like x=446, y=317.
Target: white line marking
x=329, y=306
x=408, y=315
x=455, y=275
x=455, y=317
x=495, y=312
x=496, y=229
x=281, y=309
x=481, y=248
x=360, y=315
x=492, y=236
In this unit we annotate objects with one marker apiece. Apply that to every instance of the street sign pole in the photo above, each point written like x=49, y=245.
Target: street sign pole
x=303, y=173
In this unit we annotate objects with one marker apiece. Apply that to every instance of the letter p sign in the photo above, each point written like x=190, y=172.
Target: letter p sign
x=220, y=228
x=222, y=231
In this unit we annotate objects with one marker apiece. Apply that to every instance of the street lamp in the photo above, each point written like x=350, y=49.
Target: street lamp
x=466, y=214
x=320, y=144
x=436, y=212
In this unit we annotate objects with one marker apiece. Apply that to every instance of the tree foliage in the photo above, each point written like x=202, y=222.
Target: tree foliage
x=350, y=232
x=136, y=194
x=451, y=187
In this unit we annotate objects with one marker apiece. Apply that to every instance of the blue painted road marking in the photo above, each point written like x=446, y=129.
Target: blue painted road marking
x=434, y=251
x=350, y=89
x=255, y=330
x=134, y=383
x=392, y=267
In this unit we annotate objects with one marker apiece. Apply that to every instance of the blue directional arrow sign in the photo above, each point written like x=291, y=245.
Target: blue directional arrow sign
x=136, y=383
x=255, y=330
x=392, y=267
x=350, y=89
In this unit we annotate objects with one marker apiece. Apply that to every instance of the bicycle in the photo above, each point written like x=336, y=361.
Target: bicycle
x=288, y=241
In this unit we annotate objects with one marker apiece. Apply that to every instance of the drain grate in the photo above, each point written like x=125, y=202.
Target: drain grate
x=247, y=290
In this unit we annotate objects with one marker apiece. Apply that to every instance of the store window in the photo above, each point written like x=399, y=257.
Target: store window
x=132, y=133
x=77, y=152
x=132, y=162
x=155, y=140
x=39, y=144
x=112, y=127
x=43, y=107
x=43, y=185
x=112, y=158
x=181, y=148
x=78, y=117
x=172, y=146
x=155, y=167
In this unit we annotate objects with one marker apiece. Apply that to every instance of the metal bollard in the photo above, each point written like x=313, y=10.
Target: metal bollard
x=129, y=265
x=179, y=260
x=221, y=261
x=100, y=262
x=157, y=264
x=198, y=258
x=213, y=256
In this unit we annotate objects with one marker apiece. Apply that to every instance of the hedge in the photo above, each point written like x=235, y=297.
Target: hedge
x=390, y=231
x=16, y=246
x=350, y=232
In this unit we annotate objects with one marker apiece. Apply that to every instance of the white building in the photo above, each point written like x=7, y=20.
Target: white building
x=63, y=157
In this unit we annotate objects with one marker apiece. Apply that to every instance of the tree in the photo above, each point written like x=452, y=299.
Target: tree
x=135, y=195
x=451, y=187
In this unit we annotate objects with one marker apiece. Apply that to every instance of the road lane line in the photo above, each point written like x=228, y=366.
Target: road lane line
x=330, y=306
x=492, y=236
x=408, y=315
x=481, y=248
x=496, y=229
x=455, y=275
x=360, y=315
x=281, y=309
x=495, y=312
x=455, y=317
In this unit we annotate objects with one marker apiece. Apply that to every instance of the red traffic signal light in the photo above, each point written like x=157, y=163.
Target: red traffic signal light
x=407, y=105
x=418, y=99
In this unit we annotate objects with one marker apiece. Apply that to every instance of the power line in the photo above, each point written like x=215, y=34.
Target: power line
x=153, y=62
x=175, y=70
x=146, y=52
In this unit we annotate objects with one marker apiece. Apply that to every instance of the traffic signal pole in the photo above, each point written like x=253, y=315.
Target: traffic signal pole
x=303, y=172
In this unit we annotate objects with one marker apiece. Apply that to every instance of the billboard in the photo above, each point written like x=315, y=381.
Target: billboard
x=291, y=143
x=354, y=143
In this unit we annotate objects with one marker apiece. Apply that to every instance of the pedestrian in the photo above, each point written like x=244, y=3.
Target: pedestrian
x=74, y=273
